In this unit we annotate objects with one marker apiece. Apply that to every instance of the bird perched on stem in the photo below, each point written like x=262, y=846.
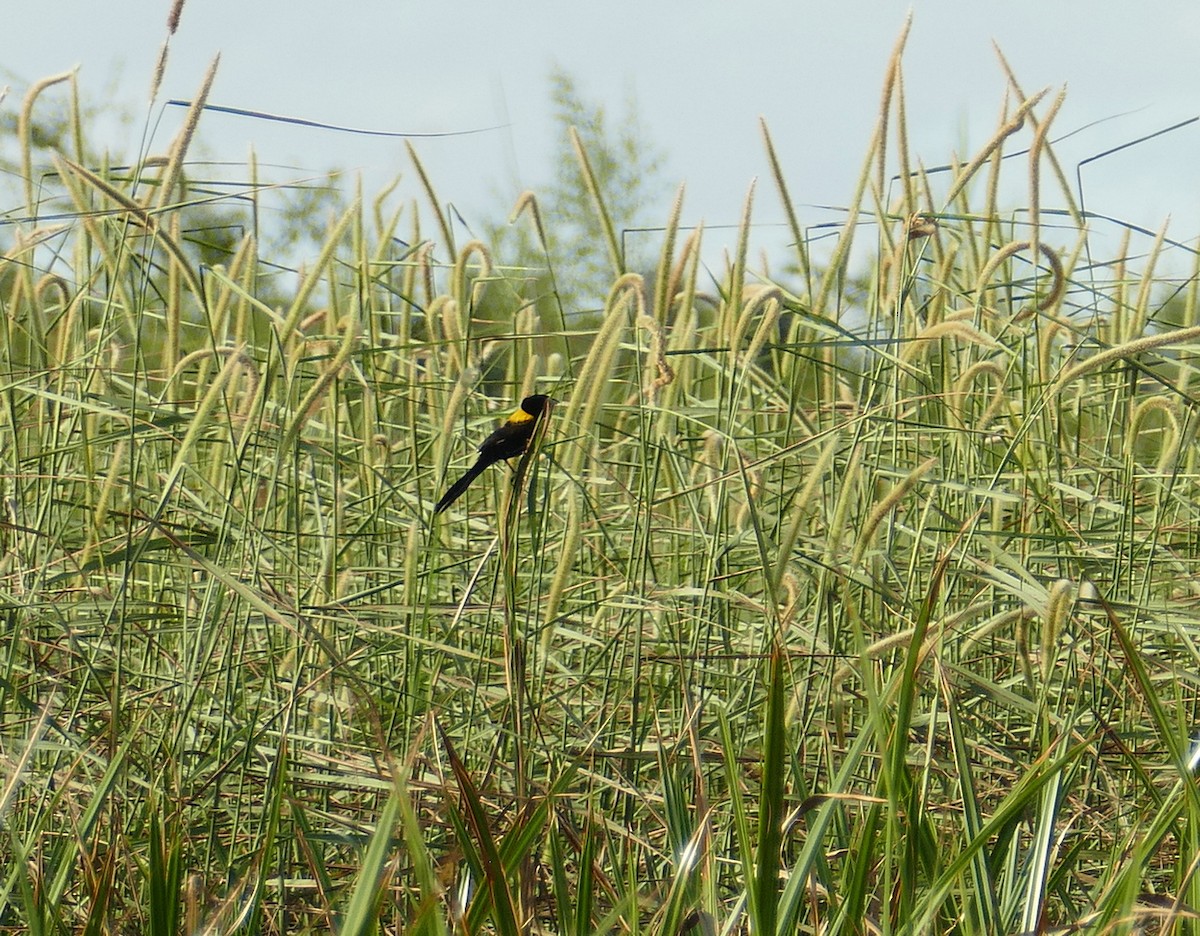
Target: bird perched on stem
x=509, y=440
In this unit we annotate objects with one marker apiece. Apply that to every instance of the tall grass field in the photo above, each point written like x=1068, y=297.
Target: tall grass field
x=854, y=595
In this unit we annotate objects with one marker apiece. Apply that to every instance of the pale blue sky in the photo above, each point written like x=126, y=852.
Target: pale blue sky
x=702, y=73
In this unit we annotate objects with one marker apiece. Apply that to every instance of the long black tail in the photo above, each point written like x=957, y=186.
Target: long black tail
x=459, y=486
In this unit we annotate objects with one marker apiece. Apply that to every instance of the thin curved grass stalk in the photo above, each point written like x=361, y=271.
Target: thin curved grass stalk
x=708, y=470
x=160, y=69
x=425, y=268
x=118, y=468
x=1192, y=297
x=997, y=622
x=656, y=363
x=1036, y=148
x=1181, y=336
x=241, y=267
x=118, y=301
x=684, y=303
x=789, y=211
x=584, y=406
x=770, y=301
x=908, y=198
x=763, y=299
x=887, y=95
x=254, y=195
x=527, y=330
x=889, y=501
x=454, y=321
x=411, y=559
x=1014, y=123
x=562, y=580
x=962, y=392
x=528, y=203
x=945, y=272
x=25, y=132
x=876, y=154
x=223, y=277
x=745, y=520
x=581, y=415
x=329, y=374
x=924, y=341
x=533, y=370
x=1141, y=307
x=410, y=275
x=1186, y=376
x=31, y=349
x=1170, y=447
x=458, y=276
x=173, y=171
x=439, y=215
x=992, y=227
x=928, y=211
x=680, y=334
x=1049, y=306
x=681, y=286
x=236, y=356
x=876, y=650
x=299, y=306
x=666, y=257
x=1047, y=345
x=56, y=349
x=77, y=136
x=19, y=264
x=1112, y=328
x=850, y=479
x=737, y=279
x=385, y=228
x=185, y=456
x=1058, y=609
x=1064, y=187
x=24, y=244
x=891, y=278
x=378, y=268
x=458, y=396
x=593, y=186
x=173, y=313
x=799, y=509
x=1058, y=284
x=1025, y=654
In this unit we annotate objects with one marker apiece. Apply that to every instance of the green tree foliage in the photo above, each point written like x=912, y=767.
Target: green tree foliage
x=627, y=169
x=559, y=271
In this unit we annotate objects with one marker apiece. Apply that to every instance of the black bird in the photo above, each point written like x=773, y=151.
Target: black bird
x=509, y=440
